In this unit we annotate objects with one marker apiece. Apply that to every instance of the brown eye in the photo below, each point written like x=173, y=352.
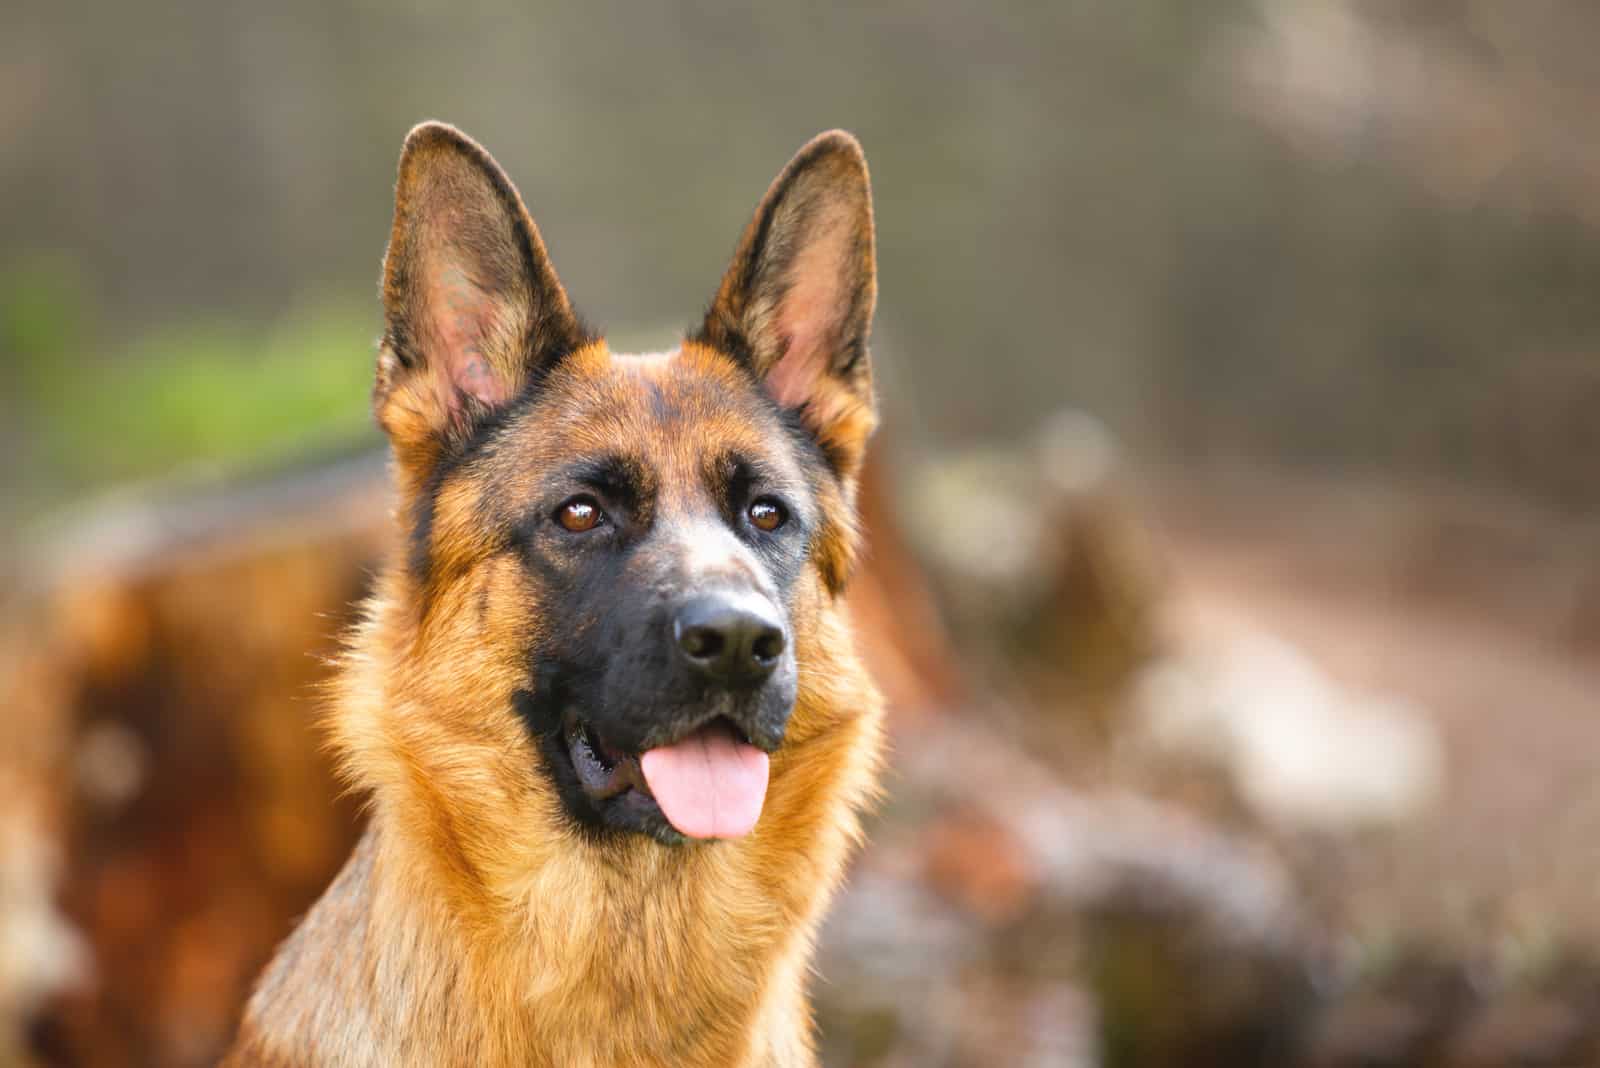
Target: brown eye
x=579, y=514
x=767, y=514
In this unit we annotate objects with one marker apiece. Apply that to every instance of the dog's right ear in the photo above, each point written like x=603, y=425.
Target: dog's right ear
x=473, y=308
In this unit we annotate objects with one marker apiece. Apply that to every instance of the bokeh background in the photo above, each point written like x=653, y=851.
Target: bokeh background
x=1236, y=521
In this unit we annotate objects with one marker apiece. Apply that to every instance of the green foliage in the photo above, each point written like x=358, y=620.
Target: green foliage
x=43, y=314
x=211, y=393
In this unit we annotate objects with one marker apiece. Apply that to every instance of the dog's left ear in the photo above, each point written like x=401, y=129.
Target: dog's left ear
x=796, y=302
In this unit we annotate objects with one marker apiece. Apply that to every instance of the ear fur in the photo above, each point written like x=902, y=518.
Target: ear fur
x=473, y=307
x=796, y=302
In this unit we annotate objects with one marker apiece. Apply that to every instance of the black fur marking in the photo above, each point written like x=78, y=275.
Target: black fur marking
x=731, y=478
x=419, y=539
x=452, y=459
x=735, y=479
x=852, y=355
x=753, y=268
x=622, y=479
x=812, y=448
x=540, y=363
x=662, y=409
x=727, y=339
x=397, y=338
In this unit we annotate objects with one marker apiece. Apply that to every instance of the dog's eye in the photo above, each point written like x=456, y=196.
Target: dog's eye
x=580, y=514
x=767, y=514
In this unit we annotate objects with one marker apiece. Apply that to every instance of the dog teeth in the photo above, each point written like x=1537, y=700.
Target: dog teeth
x=599, y=776
x=590, y=749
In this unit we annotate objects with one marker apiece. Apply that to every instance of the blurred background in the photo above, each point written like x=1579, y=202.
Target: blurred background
x=1236, y=530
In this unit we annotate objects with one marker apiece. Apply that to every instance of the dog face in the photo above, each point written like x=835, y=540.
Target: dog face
x=620, y=567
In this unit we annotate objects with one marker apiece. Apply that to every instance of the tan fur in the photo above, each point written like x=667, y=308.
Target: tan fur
x=474, y=925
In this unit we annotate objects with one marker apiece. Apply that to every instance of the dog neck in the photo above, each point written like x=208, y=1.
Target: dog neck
x=595, y=953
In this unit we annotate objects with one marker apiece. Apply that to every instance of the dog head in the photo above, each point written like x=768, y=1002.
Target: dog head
x=616, y=607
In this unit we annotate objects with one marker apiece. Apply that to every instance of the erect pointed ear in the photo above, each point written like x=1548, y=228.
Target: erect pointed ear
x=473, y=307
x=796, y=302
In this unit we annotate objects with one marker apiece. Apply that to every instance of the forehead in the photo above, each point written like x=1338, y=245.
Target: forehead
x=671, y=411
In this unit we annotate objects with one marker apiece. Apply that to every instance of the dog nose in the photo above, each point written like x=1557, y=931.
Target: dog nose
x=731, y=640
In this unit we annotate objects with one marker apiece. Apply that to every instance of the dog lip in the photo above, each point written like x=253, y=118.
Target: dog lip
x=606, y=770
x=602, y=770
x=681, y=730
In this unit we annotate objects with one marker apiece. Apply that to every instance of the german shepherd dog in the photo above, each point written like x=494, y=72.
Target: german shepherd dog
x=603, y=698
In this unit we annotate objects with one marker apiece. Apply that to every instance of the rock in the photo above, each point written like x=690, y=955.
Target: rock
x=1303, y=751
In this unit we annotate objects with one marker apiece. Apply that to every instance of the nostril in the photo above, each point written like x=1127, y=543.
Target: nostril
x=768, y=646
x=701, y=643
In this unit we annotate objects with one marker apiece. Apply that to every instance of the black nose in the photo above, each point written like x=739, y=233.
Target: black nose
x=734, y=640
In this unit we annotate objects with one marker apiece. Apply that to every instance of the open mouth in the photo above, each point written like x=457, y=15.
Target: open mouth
x=710, y=783
x=603, y=772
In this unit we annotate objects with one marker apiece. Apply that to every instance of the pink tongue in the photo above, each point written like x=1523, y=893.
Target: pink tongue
x=709, y=785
